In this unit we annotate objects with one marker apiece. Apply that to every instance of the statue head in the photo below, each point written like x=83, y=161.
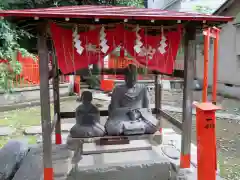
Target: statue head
x=130, y=75
x=86, y=97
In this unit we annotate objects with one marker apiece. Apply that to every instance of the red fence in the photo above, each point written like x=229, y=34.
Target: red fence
x=29, y=75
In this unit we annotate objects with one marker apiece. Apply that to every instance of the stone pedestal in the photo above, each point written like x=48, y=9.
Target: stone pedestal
x=129, y=165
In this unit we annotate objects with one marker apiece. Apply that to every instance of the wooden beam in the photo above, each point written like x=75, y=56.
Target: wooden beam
x=189, y=58
x=54, y=122
x=158, y=99
x=69, y=115
x=45, y=101
x=176, y=73
x=56, y=97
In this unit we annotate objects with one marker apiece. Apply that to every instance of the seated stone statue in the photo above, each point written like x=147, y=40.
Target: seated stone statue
x=129, y=112
x=87, y=119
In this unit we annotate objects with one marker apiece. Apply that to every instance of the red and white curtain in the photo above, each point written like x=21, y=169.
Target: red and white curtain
x=76, y=50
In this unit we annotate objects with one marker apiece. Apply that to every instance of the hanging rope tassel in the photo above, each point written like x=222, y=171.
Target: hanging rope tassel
x=163, y=43
x=77, y=41
x=138, y=43
x=103, y=41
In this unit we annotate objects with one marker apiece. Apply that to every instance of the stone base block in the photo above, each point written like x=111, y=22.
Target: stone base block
x=11, y=156
x=130, y=165
x=32, y=165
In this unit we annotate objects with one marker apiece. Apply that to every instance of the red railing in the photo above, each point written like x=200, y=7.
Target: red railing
x=30, y=77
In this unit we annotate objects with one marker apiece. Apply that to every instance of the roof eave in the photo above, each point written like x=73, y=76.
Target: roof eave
x=108, y=12
x=110, y=16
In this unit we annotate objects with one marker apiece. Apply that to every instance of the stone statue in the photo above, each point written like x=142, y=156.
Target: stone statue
x=87, y=119
x=129, y=111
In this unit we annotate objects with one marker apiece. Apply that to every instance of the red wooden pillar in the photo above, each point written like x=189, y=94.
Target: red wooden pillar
x=206, y=59
x=215, y=65
x=206, y=140
x=56, y=97
x=210, y=33
x=45, y=103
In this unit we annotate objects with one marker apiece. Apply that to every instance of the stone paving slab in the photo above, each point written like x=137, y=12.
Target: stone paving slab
x=6, y=131
x=22, y=95
x=101, y=96
x=38, y=129
x=175, y=140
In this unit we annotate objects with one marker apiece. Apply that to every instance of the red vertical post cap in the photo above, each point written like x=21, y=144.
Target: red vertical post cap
x=206, y=140
x=48, y=174
x=58, y=138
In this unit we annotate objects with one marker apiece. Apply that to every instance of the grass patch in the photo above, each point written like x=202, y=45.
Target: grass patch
x=22, y=117
x=4, y=122
x=19, y=119
x=3, y=140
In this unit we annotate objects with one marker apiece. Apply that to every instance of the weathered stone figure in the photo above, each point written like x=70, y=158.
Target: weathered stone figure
x=129, y=111
x=87, y=119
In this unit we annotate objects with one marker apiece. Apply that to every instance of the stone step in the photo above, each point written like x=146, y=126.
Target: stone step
x=101, y=96
x=165, y=131
x=129, y=165
x=92, y=148
x=6, y=131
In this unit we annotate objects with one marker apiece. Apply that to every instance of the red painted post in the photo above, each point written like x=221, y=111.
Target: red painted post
x=48, y=174
x=215, y=66
x=58, y=138
x=206, y=140
x=206, y=59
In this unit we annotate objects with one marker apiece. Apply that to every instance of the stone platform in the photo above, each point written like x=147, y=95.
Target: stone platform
x=130, y=165
x=140, y=160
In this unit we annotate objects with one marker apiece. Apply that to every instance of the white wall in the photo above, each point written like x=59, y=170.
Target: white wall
x=159, y=4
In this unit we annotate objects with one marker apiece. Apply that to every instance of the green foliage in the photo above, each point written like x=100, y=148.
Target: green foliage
x=26, y=4
x=8, y=74
x=9, y=46
x=203, y=9
x=135, y=3
x=9, y=36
